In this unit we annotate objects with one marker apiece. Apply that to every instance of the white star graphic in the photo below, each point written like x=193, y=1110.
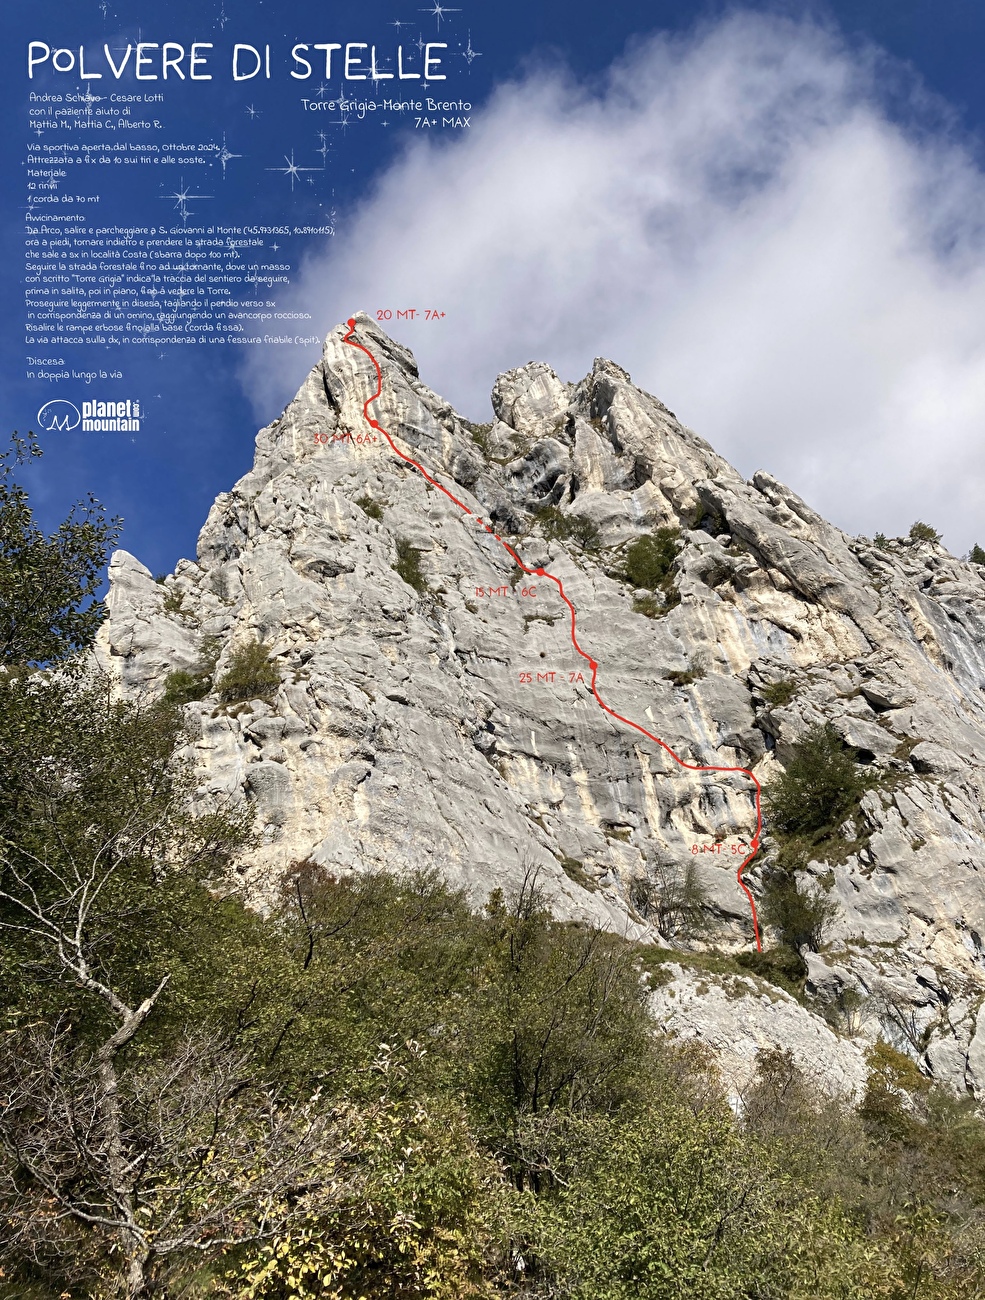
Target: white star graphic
x=468, y=54
x=438, y=12
x=183, y=198
x=292, y=169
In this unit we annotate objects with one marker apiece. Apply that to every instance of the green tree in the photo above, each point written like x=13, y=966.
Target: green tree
x=779, y=693
x=519, y=1011
x=671, y=1200
x=250, y=674
x=182, y=686
x=649, y=560
x=48, y=582
x=818, y=788
x=415, y=1214
x=802, y=916
x=920, y=532
x=557, y=526
x=976, y=554
x=649, y=565
x=370, y=506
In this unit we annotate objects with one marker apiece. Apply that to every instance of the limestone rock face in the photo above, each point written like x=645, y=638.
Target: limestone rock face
x=736, y=1017
x=447, y=722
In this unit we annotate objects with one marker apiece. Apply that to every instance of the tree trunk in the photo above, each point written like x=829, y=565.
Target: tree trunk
x=134, y=1248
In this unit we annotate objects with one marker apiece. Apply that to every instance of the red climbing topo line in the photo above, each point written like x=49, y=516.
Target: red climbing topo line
x=593, y=665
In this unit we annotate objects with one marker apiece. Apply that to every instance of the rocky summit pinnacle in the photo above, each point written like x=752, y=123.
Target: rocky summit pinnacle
x=432, y=711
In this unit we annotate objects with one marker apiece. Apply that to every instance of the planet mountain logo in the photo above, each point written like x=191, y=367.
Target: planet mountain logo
x=95, y=417
x=59, y=414
x=111, y=417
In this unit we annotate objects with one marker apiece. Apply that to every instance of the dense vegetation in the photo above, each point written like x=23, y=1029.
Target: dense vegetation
x=377, y=1091
x=557, y=526
x=921, y=532
x=408, y=566
x=650, y=558
x=648, y=565
x=807, y=804
x=819, y=787
x=250, y=674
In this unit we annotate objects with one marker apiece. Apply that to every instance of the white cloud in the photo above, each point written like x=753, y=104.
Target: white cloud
x=737, y=220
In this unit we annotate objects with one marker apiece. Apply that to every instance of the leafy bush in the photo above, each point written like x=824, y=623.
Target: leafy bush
x=576, y=1006
x=923, y=533
x=413, y=1215
x=893, y=1084
x=779, y=693
x=409, y=565
x=575, y=871
x=250, y=675
x=585, y=532
x=806, y=803
x=845, y=1009
x=181, y=687
x=882, y=541
x=557, y=526
x=648, y=564
x=672, y=1200
x=819, y=787
x=782, y=966
x=370, y=507
x=650, y=558
x=801, y=916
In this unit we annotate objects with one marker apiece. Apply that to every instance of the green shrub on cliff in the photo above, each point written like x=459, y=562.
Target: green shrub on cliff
x=819, y=787
x=250, y=675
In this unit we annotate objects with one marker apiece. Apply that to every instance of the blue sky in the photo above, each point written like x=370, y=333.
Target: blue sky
x=893, y=90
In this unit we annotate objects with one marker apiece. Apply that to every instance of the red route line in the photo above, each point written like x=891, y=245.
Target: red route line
x=542, y=573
